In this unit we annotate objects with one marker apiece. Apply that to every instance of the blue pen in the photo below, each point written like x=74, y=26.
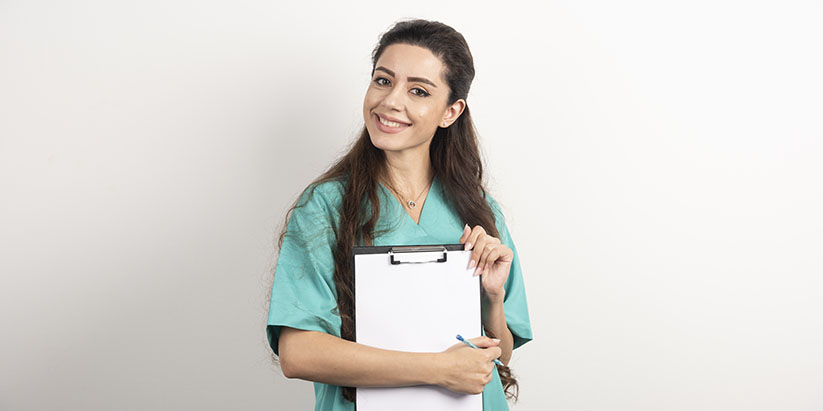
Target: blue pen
x=460, y=337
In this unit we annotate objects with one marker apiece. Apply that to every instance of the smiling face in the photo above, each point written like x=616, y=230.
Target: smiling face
x=407, y=99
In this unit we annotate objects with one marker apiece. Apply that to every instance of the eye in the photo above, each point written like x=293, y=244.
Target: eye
x=380, y=81
x=417, y=91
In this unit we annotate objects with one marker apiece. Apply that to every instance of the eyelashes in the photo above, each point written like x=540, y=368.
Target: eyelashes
x=417, y=91
x=422, y=93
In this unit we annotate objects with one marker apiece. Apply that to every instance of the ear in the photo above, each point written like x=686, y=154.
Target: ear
x=452, y=113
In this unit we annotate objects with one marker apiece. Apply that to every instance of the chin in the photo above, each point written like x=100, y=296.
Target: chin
x=383, y=143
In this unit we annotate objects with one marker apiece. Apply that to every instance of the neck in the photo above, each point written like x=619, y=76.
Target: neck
x=408, y=172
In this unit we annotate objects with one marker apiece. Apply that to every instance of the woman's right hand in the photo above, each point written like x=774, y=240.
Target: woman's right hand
x=467, y=370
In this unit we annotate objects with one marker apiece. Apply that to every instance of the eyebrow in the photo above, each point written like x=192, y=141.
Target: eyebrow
x=417, y=79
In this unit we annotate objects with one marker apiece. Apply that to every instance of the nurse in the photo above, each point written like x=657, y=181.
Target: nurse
x=414, y=176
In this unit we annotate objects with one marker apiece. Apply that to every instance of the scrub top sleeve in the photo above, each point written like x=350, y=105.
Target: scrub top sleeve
x=514, y=303
x=303, y=292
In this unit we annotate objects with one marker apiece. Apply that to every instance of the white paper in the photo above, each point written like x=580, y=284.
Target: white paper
x=418, y=308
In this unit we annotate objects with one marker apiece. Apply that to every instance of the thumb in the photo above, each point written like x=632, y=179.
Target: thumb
x=466, y=232
x=485, y=342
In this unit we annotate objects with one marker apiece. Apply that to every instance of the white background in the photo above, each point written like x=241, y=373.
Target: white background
x=659, y=164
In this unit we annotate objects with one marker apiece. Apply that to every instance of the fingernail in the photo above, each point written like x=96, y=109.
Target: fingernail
x=466, y=227
x=495, y=340
x=476, y=272
x=468, y=246
x=472, y=263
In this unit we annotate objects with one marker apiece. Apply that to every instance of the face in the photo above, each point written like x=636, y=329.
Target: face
x=407, y=99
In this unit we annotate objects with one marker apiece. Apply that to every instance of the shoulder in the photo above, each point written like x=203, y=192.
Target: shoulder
x=317, y=207
x=497, y=210
x=324, y=195
x=499, y=220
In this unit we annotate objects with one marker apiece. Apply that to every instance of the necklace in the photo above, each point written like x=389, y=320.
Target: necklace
x=413, y=203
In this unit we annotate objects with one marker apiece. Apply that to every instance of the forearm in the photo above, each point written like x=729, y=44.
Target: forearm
x=494, y=321
x=324, y=358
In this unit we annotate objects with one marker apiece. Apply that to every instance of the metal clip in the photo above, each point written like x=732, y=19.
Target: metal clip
x=416, y=249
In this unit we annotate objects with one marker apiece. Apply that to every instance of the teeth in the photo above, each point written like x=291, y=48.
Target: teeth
x=389, y=123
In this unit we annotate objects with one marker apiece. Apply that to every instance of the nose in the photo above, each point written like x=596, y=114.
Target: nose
x=394, y=99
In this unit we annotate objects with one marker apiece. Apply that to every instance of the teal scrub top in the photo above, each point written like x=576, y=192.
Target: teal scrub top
x=303, y=293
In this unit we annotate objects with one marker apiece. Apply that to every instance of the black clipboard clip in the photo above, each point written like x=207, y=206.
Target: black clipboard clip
x=395, y=258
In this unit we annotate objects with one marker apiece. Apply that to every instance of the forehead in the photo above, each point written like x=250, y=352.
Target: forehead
x=415, y=61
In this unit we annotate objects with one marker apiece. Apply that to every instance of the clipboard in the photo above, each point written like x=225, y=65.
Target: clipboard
x=416, y=299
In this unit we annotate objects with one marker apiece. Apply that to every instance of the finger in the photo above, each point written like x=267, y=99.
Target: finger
x=495, y=257
x=488, y=257
x=492, y=353
x=476, y=232
x=471, y=240
x=485, y=342
x=466, y=232
x=471, y=243
x=505, y=254
x=477, y=253
x=481, y=259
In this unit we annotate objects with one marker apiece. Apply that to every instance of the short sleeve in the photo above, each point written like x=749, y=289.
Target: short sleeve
x=514, y=303
x=303, y=292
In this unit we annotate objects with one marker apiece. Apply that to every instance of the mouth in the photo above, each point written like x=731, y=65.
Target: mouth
x=388, y=126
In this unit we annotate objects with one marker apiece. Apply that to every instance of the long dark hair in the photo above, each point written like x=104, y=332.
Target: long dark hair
x=455, y=159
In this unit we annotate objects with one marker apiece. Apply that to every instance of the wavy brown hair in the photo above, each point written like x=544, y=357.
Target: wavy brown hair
x=455, y=159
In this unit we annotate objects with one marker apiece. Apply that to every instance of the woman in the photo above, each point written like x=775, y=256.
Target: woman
x=414, y=176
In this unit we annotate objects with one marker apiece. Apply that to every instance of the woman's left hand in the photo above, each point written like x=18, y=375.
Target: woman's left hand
x=492, y=259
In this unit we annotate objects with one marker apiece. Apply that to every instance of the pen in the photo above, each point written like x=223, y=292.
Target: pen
x=460, y=337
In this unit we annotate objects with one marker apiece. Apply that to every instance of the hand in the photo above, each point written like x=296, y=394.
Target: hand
x=492, y=259
x=467, y=370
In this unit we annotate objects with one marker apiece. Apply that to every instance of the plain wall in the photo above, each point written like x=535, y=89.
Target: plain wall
x=659, y=165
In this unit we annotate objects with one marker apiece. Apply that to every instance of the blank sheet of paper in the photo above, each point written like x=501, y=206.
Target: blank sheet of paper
x=417, y=307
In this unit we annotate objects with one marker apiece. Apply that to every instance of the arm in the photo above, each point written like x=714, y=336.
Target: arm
x=491, y=259
x=321, y=357
x=494, y=321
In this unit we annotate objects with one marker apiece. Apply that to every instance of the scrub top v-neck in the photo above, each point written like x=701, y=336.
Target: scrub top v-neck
x=438, y=222
x=304, y=294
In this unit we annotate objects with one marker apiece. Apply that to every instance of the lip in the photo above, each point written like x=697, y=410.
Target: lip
x=390, y=118
x=386, y=129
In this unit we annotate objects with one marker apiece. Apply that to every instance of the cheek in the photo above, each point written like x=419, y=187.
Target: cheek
x=370, y=100
x=367, y=107
x=425, y=114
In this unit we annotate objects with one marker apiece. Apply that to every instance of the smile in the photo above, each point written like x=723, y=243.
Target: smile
x=387, y=126
x=390, y=123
